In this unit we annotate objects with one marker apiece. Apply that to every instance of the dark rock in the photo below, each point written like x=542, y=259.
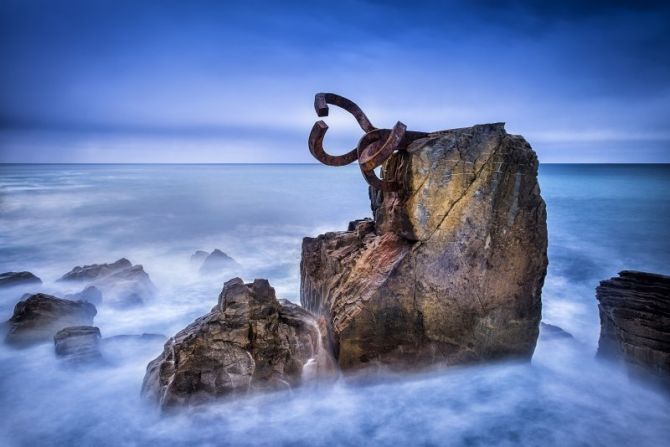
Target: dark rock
x=635, y=323
x=451, y=268
x=216, y=262
x=12, y=279
x=122, y=283
x=248, y=342
x=78, y=344
x=95, y=271
x=38, y=318
x=551, y=332
x=90, y=294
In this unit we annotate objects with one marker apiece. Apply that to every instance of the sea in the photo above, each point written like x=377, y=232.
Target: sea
x=601, y=219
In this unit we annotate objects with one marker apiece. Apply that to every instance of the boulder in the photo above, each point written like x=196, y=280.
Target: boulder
x=635, y=323
x=198, y=257
x=121, y=282
x=12, y=279
x=248, y=342
x=216, y=262
x=39, y=317
x=551, y=332
x=78, y=344
x=90, y=294
x=451, y=268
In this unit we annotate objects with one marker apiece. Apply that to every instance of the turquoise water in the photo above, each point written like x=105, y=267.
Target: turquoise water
x=601, y=218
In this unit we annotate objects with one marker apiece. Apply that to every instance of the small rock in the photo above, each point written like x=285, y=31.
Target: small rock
x=217, y=261
x=78, y=344
x=90, y=294
x=551, y=332
x=129, y=337
x=38, y=318
x=248, y=342
x=11, y=279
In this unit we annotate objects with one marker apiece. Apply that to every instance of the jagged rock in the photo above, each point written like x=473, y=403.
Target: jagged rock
x=78, y=344
x=39, y=317
x=248, y=342
x=122, y=283
x=90, y=294
x=216, y=262
x=451, y=269
x=95, y=271
x=11, y=279
x=635, y=323
x=551, y=332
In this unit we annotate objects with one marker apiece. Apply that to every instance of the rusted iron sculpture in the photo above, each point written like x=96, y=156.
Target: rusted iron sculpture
x=375, y=147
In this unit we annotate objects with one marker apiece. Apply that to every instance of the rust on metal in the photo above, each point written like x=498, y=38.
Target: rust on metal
x=373, y=149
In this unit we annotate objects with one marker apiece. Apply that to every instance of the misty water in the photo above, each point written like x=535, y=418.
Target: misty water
x=602, y=219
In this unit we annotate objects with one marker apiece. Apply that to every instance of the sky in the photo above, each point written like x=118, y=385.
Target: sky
x=228, y=82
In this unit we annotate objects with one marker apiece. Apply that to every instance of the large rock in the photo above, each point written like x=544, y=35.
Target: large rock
x=121, y=282
x=78, y=344
x=452, y=266
x=90, y=293
x=12, y=279
x=248, y=342
x=635, y=323
x=39, y=317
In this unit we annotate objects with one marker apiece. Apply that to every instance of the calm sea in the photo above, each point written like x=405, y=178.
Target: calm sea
x=602, y=219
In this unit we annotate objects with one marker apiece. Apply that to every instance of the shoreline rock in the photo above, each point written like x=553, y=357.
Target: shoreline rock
x=249, y=342
x=13, y=279
x=78, y=345
x=450, y=271
x=635, y=324
x=39, y=317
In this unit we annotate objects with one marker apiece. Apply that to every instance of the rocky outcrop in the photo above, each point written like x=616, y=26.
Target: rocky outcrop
x=121, y=282
x=635, y=323
x=451, y=268
x=216, y=262
x=78, y=344
x=39, y=317
x=248, y=342
x=12, y=279
x=551, y=332
x=90, y=294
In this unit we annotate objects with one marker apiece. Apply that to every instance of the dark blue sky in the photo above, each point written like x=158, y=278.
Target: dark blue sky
x=200, y=81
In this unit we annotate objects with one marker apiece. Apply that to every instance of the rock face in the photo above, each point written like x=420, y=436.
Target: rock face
x=452, y=266
x=123, y=283
x=78, y=344
x=248, y=342
x=39, y=317
x=216, y=262
x=635, y=323
x=11, y=279
x=90, y=294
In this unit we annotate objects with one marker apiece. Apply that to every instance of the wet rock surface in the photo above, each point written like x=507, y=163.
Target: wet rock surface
x=248, y=342
x=78, y=345
x=635, y=323
x=12, y=279
x=451, y=268
x=39, y=317
x=122, y=283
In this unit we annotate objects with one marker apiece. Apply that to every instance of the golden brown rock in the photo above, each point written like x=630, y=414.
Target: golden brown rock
x=450, y=270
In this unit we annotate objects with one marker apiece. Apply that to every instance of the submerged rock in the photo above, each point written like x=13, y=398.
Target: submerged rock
x=78, y=344
x=198, y=257
x=551, y=332
x=452, y=266
x=39, y=317
x=216, y=262
x=248, y=342
x=122, y=283
x=12, y=279
x=90, y=294
x=635, y=323
x=133, y=337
